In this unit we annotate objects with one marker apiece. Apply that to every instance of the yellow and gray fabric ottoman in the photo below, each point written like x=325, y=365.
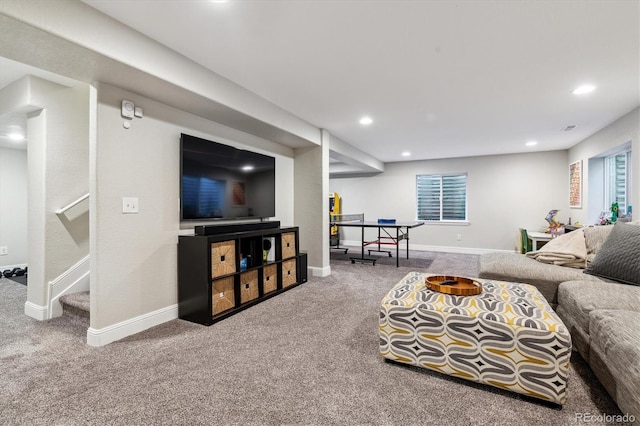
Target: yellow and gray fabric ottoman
x=507, y=336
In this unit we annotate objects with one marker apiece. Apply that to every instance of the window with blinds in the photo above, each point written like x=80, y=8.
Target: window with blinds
x=442, y=197
x=617, y=180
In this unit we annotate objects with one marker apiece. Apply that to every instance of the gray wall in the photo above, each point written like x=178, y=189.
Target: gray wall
x=504, y=192
x=13, y=207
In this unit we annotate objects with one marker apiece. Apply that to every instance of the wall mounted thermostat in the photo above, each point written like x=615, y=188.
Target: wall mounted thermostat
x=127, y=109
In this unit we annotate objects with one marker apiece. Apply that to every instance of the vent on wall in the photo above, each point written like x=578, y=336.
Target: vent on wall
x=569, y=128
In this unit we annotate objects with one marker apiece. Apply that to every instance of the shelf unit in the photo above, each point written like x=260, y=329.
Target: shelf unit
x=224, y=273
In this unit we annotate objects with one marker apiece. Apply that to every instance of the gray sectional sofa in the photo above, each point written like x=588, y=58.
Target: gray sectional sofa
x=599, y=304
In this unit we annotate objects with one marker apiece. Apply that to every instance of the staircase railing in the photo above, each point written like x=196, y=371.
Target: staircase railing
x=73, y=204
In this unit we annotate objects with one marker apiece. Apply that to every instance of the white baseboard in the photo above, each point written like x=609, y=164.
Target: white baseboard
x=38, y=312
x=106, y=335
x=320, y=272
x=462, y=250
x=20, y=265
x=443, y=249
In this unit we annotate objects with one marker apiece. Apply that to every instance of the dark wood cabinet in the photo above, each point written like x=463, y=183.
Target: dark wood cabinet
x=224, y=273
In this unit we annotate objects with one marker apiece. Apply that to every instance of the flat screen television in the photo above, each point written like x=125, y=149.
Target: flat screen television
x=219, y=182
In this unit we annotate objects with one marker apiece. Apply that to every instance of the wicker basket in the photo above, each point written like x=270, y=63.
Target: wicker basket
x=289, y=273
x=249, y=286
x=269, y=278
x=223, y=258
x=223, y=295
x=288, y=245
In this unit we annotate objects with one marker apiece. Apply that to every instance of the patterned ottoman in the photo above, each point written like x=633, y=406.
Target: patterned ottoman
x=507, y=336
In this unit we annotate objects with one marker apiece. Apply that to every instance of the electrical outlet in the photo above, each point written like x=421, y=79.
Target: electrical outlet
x=4, y=251
x=129, y=204
x=459, y=237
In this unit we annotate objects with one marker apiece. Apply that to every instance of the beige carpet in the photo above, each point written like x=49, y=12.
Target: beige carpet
x=306, y=357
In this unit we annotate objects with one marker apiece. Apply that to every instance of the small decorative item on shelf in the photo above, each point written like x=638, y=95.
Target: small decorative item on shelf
x=614, y=211
x=604, y=218
x=553, y=222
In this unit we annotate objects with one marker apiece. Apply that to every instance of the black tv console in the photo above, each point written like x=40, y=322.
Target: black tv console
x=223, y=273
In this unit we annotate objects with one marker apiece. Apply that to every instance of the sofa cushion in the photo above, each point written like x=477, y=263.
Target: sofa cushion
x=594, y=237
x=515, y=267
x=618, y=257
x=615, y=336
x=579, y=298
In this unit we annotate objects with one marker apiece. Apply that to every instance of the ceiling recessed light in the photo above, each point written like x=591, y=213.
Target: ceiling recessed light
x=584, y=89
x=406, y=154
x=16, y=137
x=531, y=143
x=365, y=121
x=247, y=168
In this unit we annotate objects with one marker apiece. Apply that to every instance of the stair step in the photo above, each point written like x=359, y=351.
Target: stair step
x=76, y=306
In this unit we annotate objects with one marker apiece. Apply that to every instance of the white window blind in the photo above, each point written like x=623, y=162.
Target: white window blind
x=618, y=180
x=442, y=197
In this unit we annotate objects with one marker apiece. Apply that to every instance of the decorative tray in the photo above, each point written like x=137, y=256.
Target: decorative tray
x=450, y=284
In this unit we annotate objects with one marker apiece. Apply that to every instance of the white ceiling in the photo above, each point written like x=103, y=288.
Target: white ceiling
x=439, y=78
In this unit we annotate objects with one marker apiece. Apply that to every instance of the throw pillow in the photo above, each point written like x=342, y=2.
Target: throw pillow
x=618, y=257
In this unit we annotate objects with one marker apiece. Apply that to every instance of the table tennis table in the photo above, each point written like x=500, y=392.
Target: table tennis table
x=386, y=234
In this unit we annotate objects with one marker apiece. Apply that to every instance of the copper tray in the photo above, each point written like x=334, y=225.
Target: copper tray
x=449, y=284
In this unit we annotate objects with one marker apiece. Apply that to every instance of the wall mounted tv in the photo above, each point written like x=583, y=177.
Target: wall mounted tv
x=219, y=181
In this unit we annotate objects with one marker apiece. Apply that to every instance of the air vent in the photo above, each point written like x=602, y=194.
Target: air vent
x=569, y=128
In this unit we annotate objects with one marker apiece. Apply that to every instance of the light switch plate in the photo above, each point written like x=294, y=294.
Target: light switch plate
x=129, y=204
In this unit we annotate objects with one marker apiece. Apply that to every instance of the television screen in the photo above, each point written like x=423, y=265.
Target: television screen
x=219, y=181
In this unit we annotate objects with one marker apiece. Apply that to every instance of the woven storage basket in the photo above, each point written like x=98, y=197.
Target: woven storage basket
x=223, y=258
x=223, y=295
x=289, y=273
x=269, y=278
x=288, y=245
x=249, y=286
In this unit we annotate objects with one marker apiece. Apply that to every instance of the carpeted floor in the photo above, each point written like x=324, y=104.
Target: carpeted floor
x=20, y=280
x=382, y=258
x=306, y=357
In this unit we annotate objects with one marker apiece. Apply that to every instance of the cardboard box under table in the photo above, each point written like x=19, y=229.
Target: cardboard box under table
x=507, y=336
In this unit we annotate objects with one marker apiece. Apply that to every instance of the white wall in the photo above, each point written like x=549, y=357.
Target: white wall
x=134, y=256
x=58, y=173
x=504, y=192
x=311, y=173
x=58, y=165
x=13, y=207
x=621, y=131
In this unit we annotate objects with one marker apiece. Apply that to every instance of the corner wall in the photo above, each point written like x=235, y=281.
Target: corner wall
x=504, y=193
x=625, y=129
x=134, y=256
x=13, y=207
x=58, y=173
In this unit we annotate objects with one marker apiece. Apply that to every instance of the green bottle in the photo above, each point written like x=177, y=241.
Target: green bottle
x=614, y=211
